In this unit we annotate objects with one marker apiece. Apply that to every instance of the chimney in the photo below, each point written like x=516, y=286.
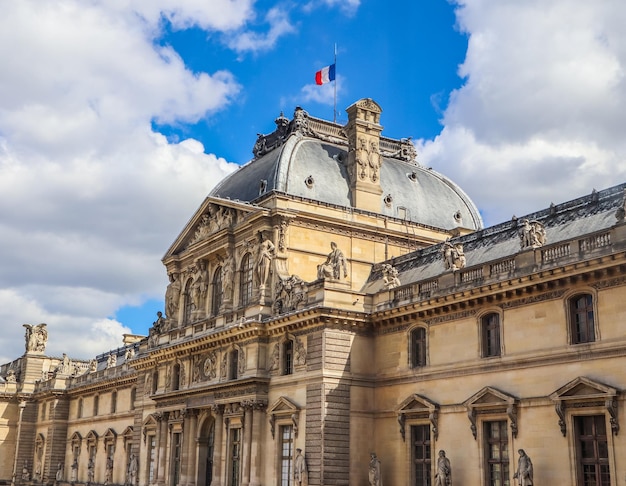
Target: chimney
x=364, y=160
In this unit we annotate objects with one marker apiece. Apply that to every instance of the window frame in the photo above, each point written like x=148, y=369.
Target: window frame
x=217, y=291
x=488, y=348
x=572, y=312
x=246, y=279
x=413, y=346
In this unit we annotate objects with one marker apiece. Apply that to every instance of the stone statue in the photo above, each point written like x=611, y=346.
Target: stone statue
x=93, y=366
x=74, y=470
x=25, y=472
x=227, y=277
x=300, y=469
x=11, y=378
x=374, y=471
x=108, y=473
x=532, y=234
x=65, y=365
x=199, y=287
x=373, y=159
x=289, y=294
x=361, y=158
x=112, y=360
x=131, y=474
x=210, y=365
x=443, y=477
x=453, y=256
x=36, y=337
x=265, y=253
x=524, y=473
x=129, y=354
x=90, y=470
x=159, y=325
x=275, y=359
x=390, y=277
x=335, y=262
x=172, y=297
x=59, y=474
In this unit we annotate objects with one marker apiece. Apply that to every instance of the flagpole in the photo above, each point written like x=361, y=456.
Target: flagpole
x=335, y=83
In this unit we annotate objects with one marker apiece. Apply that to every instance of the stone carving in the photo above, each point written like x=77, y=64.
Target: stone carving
x=300, y=473
x=112, y=360
x=65, y=367
x=228, y=265
x=210, y=365
x=374, y=470
x=290, y=294
x=215, y=219
x=148, y=384
x=265, y=143
x=25, y=472
x=241, y=364
x=524, y=473
x=199, y=288
x=36, y=337
x=334, y=264
x=129, y=354
x=59, y=474
x=532, y=234
x=108, y=473
x=275, y=359
x=373, y=160
x=223, y=366
x=90, y=470
x=300, y=122
x=11, y=378
x=282, y=232
x=443, y=476
x=390, y=277
x=131, y=473
x=172, y=298
x=265, y=254
x=299, y=353
x=93, y=366
x=160, y=324
x=74, y=470
x=453, y=256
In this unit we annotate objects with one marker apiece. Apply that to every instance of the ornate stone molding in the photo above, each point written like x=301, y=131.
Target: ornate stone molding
x=418, y=407
x=489, y=400
x=284, y=410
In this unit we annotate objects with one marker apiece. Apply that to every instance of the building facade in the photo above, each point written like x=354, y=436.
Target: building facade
x=338, y=315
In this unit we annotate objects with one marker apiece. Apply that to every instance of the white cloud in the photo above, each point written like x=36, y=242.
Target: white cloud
x=324, y=94
x=90, y=196
x=540, y=115
x=249, y=41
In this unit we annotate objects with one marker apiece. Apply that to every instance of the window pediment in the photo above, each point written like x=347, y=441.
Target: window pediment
x=583, y=392
x=490, y=400
x=284, y=409
x=416, y=407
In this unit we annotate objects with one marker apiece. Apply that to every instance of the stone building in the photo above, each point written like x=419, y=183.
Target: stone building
x=332, y=299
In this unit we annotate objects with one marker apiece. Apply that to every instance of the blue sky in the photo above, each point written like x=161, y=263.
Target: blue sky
x=117, y=118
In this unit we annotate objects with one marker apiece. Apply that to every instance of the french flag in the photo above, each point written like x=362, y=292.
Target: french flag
x=325, y=75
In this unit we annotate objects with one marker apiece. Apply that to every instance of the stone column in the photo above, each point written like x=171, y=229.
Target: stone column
x=161, y=449
x=218, y=454
x=247, y=442
x=258, y=416
x=191, y=433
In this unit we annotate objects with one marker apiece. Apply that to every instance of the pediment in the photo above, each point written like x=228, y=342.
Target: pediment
x=416, y=404
x=582, y=388
x=283, y=406
x=110, y=434
x=212, y=217
x=128, y=432
x=489, y=397
x=76, y=437
x=150, y=421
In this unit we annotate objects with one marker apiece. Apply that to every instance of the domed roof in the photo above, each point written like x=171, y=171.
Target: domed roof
x=308, y=158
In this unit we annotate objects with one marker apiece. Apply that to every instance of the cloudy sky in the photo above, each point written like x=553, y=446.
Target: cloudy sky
x=117, y=117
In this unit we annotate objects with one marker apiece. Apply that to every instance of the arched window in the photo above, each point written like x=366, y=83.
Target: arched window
x=217, y=294
x=188, y=309
x=490, y=335
x=418, y=347
x=113, y=402
x=245, y=284
x=582, y=322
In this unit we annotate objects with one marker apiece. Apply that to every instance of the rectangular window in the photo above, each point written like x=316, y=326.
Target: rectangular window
x=420, y=454
x=286, y=455
x=235, y=457
x=491, y=335
x=232, y=365
x=592, y=451
x=581, y=310
x=288, y=357
x=176, y=451
x=152, y=459
x=496, y=444
x=418, y=347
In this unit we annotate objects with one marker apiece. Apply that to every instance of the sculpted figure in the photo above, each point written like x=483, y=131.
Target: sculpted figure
x=265, y=253
x=199, y=287
x=159, y=325
x=390, y=277
x=532, y=234
x=131, y=474
x=74, y=470
x=172, y=297
x=361, y=158
x=108, y=473
x=227, y=277
x=25, y=472
x=374, y=470
x=373, y=159
x=443, y=477
x=36, y=337
x=11, y=378
x=334, y=264
x=453, y=256
x=275, y=359
x=93, y=366
x=300, y=469
x=129, y=354
x=112, y=360
x=90, y=470
x=59, y=474
x=524, y=473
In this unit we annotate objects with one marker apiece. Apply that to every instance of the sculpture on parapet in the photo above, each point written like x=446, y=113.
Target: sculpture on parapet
x=36, y=337
x=532, y=234
x=390, y=277
x=443, y=476
x=334, y=264
x=289, y=294
x=453, y=256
